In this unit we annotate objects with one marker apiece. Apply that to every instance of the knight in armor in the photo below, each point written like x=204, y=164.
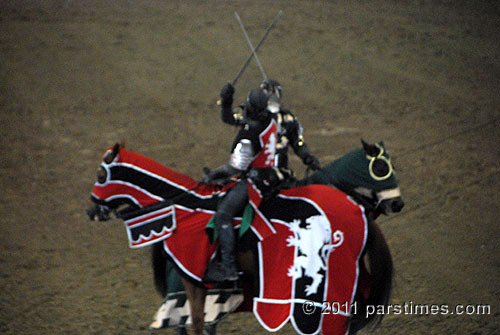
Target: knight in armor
x=290, y=132
x=253, y=148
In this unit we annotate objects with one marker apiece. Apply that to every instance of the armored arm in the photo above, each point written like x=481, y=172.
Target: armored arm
x=231, y=116
x=228, y=115
x=222, y=172
x=300, y=148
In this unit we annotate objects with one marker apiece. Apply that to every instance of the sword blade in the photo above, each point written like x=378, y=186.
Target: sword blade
x=254, y=52
x=271, y=26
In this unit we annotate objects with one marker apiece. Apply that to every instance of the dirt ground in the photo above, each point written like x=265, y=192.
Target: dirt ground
x=78, y=75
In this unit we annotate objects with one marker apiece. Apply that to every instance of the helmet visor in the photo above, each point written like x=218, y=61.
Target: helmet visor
x=273, y=104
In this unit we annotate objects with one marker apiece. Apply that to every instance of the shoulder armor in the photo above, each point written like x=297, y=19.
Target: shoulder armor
x=242, y=155
x=238, y=114
x=287, y=116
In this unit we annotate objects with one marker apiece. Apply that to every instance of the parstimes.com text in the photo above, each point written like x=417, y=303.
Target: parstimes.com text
x=410, y=308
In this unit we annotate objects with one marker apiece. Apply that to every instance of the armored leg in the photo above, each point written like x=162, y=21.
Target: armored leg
x=233, y=203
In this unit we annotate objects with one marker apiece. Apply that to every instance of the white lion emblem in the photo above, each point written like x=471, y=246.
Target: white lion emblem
x=314, y=242
x=270, y=149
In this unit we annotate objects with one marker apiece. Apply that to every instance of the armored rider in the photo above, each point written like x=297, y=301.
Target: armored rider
x=253, y=148
x=290, y=132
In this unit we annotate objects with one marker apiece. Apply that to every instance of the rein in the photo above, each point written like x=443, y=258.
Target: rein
x=125, y=213
x=308, y=171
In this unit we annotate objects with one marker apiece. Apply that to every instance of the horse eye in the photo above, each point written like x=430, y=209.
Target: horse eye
x=108, y=159
x=380, y=168
x=102, y=175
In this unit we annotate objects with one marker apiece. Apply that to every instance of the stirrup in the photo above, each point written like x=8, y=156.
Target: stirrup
x=232, y=275
x=217, y=272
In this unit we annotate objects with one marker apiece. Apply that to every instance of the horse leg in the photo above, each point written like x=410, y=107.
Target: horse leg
x=378, y=264
x=196, y=297
x=181, y=331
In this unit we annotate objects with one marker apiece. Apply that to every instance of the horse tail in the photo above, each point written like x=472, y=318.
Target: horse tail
x=380, y=282
x=159, y=262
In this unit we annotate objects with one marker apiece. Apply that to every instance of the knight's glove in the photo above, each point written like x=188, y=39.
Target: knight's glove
x=219, y=174
x=312, y=162
x=226, y=95
x=207, y=178
x=269, y=180
x=287, y=174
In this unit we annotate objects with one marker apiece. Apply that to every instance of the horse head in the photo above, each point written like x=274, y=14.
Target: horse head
x=100, y=209
x=367, y=175
x=128, y=181
x=118, y=184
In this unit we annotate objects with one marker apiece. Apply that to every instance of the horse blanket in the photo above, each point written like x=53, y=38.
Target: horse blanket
x=309, y=265
x=309, y=269
x=175, y=310
x=310, y=240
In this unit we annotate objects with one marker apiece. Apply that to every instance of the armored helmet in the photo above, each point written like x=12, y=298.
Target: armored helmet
x=256, y=104
x=271, y=86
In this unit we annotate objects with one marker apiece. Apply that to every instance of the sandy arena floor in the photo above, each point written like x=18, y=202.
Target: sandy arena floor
x=77, y=76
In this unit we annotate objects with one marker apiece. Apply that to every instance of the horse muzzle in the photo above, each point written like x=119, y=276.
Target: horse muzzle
x=391, y=206
x=98, y=212
x=397, y=205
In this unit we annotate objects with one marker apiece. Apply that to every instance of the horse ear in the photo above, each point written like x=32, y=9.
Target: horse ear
x=111, y=155
x=371, y=149
x=116, y=149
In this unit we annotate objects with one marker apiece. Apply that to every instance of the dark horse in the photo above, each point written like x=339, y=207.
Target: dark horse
x=129, y=184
